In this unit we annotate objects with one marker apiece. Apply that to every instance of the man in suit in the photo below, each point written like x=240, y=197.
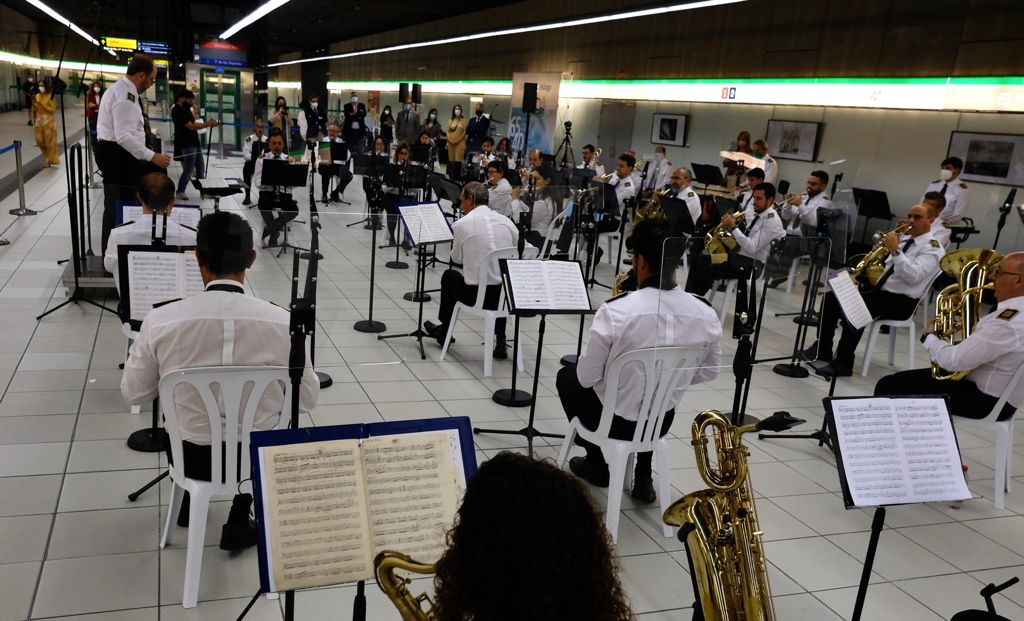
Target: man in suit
x=316, y=119
x=354, y=128
x=408, y=127
x=479, y=127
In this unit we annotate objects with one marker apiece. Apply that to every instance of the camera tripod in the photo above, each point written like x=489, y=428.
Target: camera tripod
x=565, y=149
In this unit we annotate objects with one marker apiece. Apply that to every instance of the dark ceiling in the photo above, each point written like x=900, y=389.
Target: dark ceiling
x=299, y=25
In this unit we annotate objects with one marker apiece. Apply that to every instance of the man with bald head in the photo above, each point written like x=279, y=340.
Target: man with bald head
x=681, y=182
x=912, y=262
x=992, y=354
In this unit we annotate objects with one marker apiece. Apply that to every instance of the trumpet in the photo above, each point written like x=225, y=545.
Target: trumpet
x=872, y=264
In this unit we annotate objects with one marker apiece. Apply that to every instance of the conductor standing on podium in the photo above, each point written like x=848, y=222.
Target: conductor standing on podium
x=121, y=151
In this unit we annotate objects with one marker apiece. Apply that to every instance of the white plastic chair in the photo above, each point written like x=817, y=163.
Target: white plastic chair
x=664, y=368
x=489, y=316
x=611, y=238
x=730, y=293
x=875, y=327
x=794, y=270
x=551, y=237
x=229, y=444
x=131, y=335
x=1003, y=432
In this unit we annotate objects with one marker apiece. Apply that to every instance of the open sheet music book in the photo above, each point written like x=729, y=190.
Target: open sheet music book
x=156, y=275
x=328, y=507
x=551, y=286
x=848, y=295
x=426, y=223
x=187, y=215
x=895, y=450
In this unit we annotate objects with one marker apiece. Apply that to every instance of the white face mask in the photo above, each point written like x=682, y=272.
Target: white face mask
x=42, y=89
x=313, y=105
x=659, y=156
x=458, y=112
x=945, y=174
x=355, y=100
x=96, y=89
x=406, y=107
x=432, y=116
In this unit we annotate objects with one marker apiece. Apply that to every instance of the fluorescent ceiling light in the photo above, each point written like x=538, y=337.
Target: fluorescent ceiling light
x=63, y=20
x=252, y=17
x=583, y=21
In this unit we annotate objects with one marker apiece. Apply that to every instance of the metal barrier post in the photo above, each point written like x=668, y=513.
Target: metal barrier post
x=21, y=210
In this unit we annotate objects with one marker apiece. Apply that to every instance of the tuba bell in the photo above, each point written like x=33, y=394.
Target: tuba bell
x=410, y=607
x=957, y=307
x=719, y=241
x=719, y=525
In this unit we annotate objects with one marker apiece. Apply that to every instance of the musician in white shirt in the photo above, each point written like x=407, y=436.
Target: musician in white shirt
x=252, y=149
x=588, y=162
x=330, y=169
x=940, y=231
x=499, y=191
x=542, y=207
x=220, y=327
x=745, y=201
x=802, y=210
x=274, y=197
x=478, y=232
x=156, y=194
x=658, y=175
x=952, y=188
x=769, y=165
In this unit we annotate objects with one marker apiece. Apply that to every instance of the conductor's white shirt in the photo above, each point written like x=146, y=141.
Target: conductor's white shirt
x=474, y=235
x=214, y=328
x=993, y=352
x=914, y=268
x=120, y=119
x=648, y=317
x=140, y=233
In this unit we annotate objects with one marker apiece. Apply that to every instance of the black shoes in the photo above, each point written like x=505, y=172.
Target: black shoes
x=814, y=352
x=643, y=489
x=836, y=369
x=183, y=512
x=436, y=332
x=775, y=282
x=500, y=349
x=246, y=201
x=590, y=472
x=240, y=531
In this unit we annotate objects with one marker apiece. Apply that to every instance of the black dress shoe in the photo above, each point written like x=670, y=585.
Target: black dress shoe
x=436, y=331
x=643, y=490
x=835, y=369
x=500, y=350
x=775, y=282
x=247, y=202
x=814, y=352
x=239, y=532
x=590, y=472
x=598, y=254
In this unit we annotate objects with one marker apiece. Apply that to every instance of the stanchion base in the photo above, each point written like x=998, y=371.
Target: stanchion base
x=569, y=360
x=512, y=398
x=397, y=265
x=325, y=379
x=147, y=440
x=369, y=326
x=807, y=319
x=413, y=297
x=20, y=212
x=791, y=369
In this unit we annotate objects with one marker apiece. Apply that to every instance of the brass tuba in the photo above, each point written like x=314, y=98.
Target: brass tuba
x=719, y=241
x=872, y=264
x=396, y=587
x=957, y=307
x=719, y=525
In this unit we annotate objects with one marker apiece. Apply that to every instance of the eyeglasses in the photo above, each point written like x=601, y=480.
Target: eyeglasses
x=1001, y=272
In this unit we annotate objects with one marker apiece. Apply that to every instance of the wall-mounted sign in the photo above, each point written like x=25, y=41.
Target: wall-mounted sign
x=156, y=48
x=221, y=53
x=119, y=44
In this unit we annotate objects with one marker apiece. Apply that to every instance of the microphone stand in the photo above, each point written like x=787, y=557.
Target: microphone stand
x=368, y=325
x=513, y=397
x=398, y=264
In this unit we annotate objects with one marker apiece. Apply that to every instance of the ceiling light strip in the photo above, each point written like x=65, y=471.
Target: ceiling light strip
x=45, y=8
x=583, y=21
x=260, y=12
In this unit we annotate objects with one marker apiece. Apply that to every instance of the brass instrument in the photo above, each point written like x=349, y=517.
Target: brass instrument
x=605, y=178
x=396, y=587
x=719, y=241
x=957, y=308
x=719, y=525
x=652, y=208
x=872, y=264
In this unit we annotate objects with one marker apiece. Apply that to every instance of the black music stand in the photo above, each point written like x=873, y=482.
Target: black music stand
x=371, y=168
x=281, y=173
x=339, y=157
x=707, y=174
x=446, y=189
x=873, y=205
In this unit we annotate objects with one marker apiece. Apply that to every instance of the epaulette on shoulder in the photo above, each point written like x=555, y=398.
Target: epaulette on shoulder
x=701, y=298
x=248, y=139
x=125, y=224
x=617, y=297
x=963, y=185
x=1008, y=314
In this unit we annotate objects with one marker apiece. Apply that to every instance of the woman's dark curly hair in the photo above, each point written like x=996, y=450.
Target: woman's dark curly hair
x=527, y=545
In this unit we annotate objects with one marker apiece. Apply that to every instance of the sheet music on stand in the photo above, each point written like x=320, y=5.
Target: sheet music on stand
x=850, y=300
x=154, y=275
x=895, y=450
x=188, y=215
x=549, y=286
x=426, y=223
x=329, y=499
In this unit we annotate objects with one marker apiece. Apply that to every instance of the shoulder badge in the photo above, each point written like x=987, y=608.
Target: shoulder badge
x=131, y=97
x=771, y=214
x=1008, y=314
x=701, y=298
x=617, y=297
x=248, y=139
x=935, y=243
x=963, y=185
x=690, y=194
x=125, y=224
x=627, y=184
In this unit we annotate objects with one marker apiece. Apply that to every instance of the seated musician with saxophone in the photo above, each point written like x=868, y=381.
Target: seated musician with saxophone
x=909, y=266
x=990, y=355
x=752, y=245
x=643, y=318
x=527, y=544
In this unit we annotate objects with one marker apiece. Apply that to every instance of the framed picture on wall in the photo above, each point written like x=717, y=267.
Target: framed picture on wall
x=989, y=158
x=793, y=140
x=669, y=129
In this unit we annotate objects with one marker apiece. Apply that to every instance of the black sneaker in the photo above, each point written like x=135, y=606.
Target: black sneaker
x=239, y=532
x=500, y=349
x=643, y=489
x=588, y=471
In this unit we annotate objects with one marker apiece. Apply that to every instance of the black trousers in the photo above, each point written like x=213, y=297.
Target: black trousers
x=584, y=404
x=605, y=225
x=121, y=173
x=269, y=201
x=248, y=169
x=703, y=273
x=198, y=459
x=964, y=397
x=881, y=304
x=355, y=139
x=344, y=175
x=455, y=289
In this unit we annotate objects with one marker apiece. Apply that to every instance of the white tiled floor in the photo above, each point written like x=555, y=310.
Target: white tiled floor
x=73, y=546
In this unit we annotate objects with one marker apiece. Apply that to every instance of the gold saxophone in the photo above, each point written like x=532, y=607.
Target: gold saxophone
x=872, y=264
x=958, y=306
x=719, y=241
x=719, y=525
x=411, y=607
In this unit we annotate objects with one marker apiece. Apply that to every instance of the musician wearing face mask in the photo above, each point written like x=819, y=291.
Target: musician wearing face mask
x=477, y=129
x=912, y=262
x=589, y=162
x=660, y=171
x=499, y=191
x=455, y=134
x=354, y=125
x=952, y=188
x=408, y=128
x=770, y=166
x=802, y=210
x=432, y=126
